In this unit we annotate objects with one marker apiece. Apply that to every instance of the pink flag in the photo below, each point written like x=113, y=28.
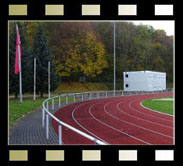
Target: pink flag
x=18, y=51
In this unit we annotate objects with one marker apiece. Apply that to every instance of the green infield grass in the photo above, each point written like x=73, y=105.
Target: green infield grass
x=159, y=105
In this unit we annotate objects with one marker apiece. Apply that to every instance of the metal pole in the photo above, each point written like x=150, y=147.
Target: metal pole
x=20, y=70
x=52, y=104
x=34, y=79
x=47, y=106
x=47, y=126
x=49, y=79
x=43, y=116
x=74, y=98
x=66, y=98
x=114, y=55
x=20, y=76
x=90, y=95
x=60, y=134
x=95, y=141
x=59, y=103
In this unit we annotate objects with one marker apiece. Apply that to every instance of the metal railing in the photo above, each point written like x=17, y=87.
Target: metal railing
x=79, y=97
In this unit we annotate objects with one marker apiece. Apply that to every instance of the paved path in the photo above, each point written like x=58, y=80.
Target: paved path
x=29, y=131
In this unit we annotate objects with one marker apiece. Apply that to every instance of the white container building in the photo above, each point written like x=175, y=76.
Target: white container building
x=144, y=81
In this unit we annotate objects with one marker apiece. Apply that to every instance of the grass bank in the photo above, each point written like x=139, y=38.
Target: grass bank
x=87, y=86
x=17, y=110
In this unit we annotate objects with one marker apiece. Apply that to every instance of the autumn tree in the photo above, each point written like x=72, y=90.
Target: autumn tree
x=85, y=49
x=84, y=56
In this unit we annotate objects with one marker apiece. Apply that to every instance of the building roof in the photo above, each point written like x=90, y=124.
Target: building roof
x=144, y=71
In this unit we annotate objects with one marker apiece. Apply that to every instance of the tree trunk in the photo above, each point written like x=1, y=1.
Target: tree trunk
x=16, y=95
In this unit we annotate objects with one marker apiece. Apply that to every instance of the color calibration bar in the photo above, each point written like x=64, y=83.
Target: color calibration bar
x=91, y=10
x=91, y=155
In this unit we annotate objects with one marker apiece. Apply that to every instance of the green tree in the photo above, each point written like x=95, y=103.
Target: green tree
x=42, y=53
x=143, y=43
x=167, y=55
x=30, y=29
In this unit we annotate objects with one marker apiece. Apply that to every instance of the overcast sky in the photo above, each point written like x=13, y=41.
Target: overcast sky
x=168, y=26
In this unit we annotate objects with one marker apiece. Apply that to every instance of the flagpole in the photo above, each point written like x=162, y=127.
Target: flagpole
x=20, y=71
x=34, y=79
x=49, y=79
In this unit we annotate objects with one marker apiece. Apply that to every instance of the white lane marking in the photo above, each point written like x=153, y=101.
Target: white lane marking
x=73, y=117
x=142, y=118
x=133, y=124
x=99, y=99
x=154, y=110
x=145, y=113
x=124, y=133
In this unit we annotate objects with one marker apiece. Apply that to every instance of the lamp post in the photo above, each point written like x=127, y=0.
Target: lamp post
x=114, y=56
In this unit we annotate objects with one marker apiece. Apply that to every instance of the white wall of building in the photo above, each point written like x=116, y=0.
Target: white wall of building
x=144, y=81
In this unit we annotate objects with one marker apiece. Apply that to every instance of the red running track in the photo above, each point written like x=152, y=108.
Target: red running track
x=118, y=120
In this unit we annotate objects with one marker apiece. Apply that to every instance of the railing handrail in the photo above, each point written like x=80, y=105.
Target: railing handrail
x=48, y=113
x=96, y=141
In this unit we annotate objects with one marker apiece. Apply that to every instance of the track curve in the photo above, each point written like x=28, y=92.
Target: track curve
x=118, y=120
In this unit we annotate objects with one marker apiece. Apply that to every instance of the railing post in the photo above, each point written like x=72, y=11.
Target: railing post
x=60, y=133
x=59, y=103
x=52, y=104
x=95, y=141
x=46, y=120
x=47, y=105
x=66, y=99
x=106, y=94
x=90, y=95
x=43, y=116
x=74, y=98
x=121, y=92
x=98, y=95
x=82, y=96
x=47, y=126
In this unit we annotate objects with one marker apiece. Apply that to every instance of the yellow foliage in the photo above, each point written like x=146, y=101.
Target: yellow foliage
x=83, y=54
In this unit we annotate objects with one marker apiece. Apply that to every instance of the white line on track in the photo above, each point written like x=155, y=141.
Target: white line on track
x=107, y=124
x=105, y=110
x=141, y=118
x=155, y=111
x=145, y=113
x=82, y=125
x=124, y=133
